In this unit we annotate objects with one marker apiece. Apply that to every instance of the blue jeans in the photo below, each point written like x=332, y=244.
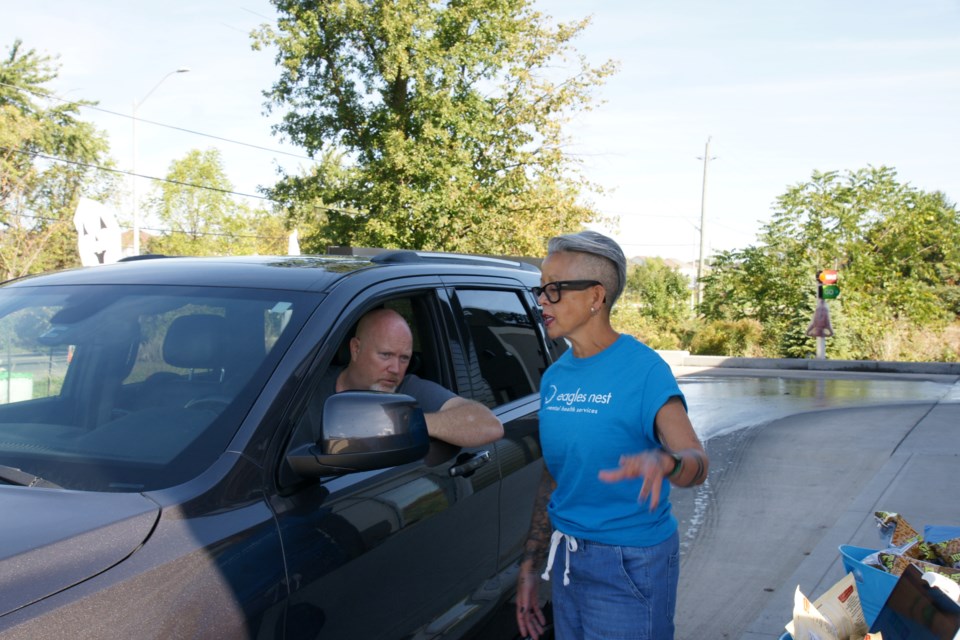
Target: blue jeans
x=616, y=593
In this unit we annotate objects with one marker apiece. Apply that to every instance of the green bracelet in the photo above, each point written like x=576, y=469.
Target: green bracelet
x=678, y=464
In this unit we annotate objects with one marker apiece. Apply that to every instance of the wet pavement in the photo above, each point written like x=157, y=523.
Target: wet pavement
x=800, y=460
x=724, y=401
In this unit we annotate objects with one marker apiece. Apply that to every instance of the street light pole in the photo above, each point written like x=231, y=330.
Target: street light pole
x=133, y=171
x=703, y=223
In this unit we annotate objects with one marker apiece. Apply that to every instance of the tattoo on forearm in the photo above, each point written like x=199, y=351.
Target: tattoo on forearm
x=538, y=539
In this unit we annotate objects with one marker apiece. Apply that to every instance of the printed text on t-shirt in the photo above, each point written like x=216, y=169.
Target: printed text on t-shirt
x=585, y=402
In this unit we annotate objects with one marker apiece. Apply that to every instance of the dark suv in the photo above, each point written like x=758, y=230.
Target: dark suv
x=158, y=478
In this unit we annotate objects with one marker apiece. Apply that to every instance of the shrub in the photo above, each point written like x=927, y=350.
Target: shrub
x=656, y=335
x=728, y=338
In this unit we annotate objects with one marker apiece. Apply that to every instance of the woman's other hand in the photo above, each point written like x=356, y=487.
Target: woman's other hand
x=530, y=618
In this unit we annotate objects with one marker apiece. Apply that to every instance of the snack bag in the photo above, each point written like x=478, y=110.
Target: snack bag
x=900, y=564
x=947, y=552
x=894, y=529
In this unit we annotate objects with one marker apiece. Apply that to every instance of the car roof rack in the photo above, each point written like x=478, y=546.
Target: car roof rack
x=405, y=256
x=145, y=256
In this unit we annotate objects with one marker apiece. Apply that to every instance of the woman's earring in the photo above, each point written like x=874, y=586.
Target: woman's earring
x=592, y=310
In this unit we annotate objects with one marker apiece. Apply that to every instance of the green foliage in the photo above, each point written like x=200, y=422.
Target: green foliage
x=655, y=305
x=909, y=262
x=741, y=337
x=654, y=335
x=660, y=292
x=438, y=125
x=897, y=250
x=905, y=341
x=202, y=218
x=38, y=197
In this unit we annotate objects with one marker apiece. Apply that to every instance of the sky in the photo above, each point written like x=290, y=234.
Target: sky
x=777, y=90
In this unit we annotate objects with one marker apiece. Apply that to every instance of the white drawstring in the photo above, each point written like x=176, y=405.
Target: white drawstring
x=554, y=543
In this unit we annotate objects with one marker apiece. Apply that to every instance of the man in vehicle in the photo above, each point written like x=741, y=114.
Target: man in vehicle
x=380, y=353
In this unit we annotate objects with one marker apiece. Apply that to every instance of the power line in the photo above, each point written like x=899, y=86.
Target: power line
x=160, y=230
x=199, y=133
x=158, y=124
x=86, y=165
x=236, y=193
x=44, y=94
x=637, y=214
x=656, y=244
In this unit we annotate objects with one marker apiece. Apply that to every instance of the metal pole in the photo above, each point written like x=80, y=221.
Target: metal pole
x=133, y=178
x=703, y=222
x=133, y=171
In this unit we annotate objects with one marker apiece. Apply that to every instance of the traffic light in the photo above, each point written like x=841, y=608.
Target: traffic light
x=827, y=287
x=828, y=291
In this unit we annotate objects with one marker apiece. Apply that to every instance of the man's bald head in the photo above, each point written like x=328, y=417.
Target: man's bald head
x=379, y=353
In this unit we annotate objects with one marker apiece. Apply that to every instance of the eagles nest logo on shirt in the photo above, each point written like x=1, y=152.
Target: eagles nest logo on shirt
x=578, y=401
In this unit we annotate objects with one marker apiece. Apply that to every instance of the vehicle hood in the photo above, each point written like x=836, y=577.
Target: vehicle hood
x=51, y=539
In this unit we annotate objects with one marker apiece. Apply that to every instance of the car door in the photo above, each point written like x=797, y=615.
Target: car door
x=399, y=552
x=508, y=351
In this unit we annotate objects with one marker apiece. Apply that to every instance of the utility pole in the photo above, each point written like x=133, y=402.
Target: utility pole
x=703, y=222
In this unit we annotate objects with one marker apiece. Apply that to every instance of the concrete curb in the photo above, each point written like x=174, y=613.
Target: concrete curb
x=684, y=359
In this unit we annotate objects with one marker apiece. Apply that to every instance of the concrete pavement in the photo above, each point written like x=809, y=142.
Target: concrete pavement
x=781, y=498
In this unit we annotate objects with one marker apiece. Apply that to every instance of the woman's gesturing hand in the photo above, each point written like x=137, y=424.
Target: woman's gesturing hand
x=652, y=466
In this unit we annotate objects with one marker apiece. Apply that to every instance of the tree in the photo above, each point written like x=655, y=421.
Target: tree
x=659, y=291
x=768, y=284
x=655, y=305
x=47, y=156
x=910, y=262
x=201, y=217
x=897, y=250
x=438, y=125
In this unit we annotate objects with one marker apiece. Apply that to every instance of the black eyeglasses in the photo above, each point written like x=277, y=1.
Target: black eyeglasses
x=552, y=289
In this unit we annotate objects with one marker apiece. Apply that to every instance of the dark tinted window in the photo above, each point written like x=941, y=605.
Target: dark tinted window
x=507, y=346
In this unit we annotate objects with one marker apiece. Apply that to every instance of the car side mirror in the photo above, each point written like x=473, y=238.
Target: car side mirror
x=362, y=431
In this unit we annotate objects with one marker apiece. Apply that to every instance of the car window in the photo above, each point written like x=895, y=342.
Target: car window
x=261, y=327
x=506, y=342
x=28, y=372
x=322, y=384
x=129, y=388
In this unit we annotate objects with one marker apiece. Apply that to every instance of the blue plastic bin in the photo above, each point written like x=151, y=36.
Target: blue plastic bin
x=940, y=533
x=873, y=585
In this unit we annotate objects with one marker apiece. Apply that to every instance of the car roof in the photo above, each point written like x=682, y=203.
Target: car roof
x=300, y=273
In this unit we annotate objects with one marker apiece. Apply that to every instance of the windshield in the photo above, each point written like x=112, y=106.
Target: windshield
x=132, y=388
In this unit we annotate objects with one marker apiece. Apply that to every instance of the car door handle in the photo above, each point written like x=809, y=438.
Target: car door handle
x=468, y=463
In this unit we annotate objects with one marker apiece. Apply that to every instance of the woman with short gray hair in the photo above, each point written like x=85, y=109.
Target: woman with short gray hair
x=599, y=254
x=615, y=436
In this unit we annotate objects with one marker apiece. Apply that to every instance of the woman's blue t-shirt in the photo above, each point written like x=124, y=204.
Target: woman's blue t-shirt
x=594, y=410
